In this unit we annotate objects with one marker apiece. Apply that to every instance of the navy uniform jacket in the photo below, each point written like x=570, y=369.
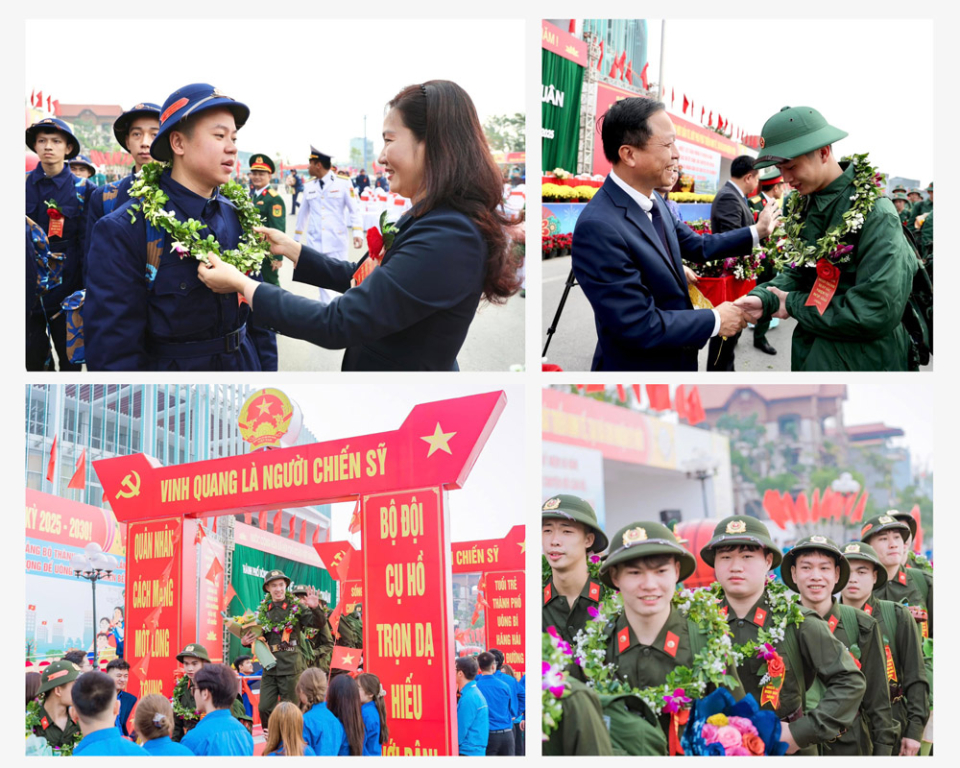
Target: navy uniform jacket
x=411, y=313
x=645, y=320
x=118, y=192
x=127, y=702
x=178, y=323
x=73, y=196
x=730, y=210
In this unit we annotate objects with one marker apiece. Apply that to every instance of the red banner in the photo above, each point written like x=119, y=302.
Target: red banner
x=505, y=619
x=507, y=553
x=407, y=632
x=68, y=522
x=209, y=622
x=562, y=43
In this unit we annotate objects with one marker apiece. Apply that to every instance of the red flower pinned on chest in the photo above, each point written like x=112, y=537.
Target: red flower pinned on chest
x=56, y=217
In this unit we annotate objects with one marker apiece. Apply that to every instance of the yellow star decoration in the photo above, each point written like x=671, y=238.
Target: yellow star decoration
x=264, y=406
x=439, y=440
x=523, y=546
x=348, y=658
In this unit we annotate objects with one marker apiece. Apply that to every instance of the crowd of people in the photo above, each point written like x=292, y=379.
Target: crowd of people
x=143, y=273
x=839, y=646
x=826, y=246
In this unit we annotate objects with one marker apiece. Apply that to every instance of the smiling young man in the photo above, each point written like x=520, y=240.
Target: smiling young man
x=146, y=308
x=570, y=534
x=650, y=638
x=119, y=670
x=58, y=202
x=56, y=684
x=905, y=671
x=859, y=327
x=742, y=554
x=816, y=569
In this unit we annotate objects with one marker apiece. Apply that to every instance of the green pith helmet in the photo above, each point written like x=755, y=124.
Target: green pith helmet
x=300, y=590
x=792, y=132
x=900, y=188
x=930, y=187
x=916, y=191
x=195, y=650
x=644, y=539
x=900, y=196
x=880, y=523
x=273, y=575
x=567, y=507
x=770, y=176
x=58, y=673
x=859, y=550
x=740, y=529
x=904, y=517
x=814, y=544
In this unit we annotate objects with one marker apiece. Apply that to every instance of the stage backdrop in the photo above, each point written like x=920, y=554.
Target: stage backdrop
x=564, y=57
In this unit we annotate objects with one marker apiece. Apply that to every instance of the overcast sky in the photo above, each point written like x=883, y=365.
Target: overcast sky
x=870, y=78
x=491, y=501
x=317, y=94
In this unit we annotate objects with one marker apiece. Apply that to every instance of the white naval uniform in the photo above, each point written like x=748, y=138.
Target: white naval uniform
x=328, y=218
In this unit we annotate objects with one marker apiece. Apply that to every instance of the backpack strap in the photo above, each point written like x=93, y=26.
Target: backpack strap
x=851, y=626
x=888, y=611
x=920, y=582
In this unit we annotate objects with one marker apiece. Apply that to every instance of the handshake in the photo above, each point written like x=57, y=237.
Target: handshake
x=734, y=315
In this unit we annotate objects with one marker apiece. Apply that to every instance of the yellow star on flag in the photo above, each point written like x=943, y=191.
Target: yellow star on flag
x=348, y=658
x=523, y=546
x=439, y=440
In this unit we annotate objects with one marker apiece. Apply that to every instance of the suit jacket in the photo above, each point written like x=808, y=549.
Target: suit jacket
x=411, y=313
x=730, y=210
x=641, y=305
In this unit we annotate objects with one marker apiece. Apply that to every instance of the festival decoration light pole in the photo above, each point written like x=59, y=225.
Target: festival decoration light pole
x=93, y=565
x=701, y=467
x=847, y=487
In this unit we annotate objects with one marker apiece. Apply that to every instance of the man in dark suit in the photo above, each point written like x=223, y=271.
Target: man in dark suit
x=627, y=252
x=730, y=211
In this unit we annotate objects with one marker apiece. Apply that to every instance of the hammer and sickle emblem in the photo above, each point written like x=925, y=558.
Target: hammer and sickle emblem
x=132, y=483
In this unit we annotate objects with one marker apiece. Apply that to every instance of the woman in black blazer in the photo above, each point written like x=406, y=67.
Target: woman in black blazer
x=412, y=312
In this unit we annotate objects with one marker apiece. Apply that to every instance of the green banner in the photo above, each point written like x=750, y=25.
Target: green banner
x=249, y=568
x=560, y=112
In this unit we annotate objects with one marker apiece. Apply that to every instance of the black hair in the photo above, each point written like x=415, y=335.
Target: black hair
x=498, y=655
x=343, y=700
x=221, y=681
x=741, y=166
x=117, y=663
x=486, y=660
x=77, y=657
x=237, y=662
x=626, y=122
x=468, y=665
x=93, y=694
x=814, y=550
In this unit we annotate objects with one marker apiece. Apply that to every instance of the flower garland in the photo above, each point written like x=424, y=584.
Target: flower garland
x=33, y=721
x=186, y=235
x=286, y=624
x=556, y=657
x=178, y=709
x=785, y=245
x=709, y=666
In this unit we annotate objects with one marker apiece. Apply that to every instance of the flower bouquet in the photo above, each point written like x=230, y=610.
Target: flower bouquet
x=247, y=621
x=720, y=726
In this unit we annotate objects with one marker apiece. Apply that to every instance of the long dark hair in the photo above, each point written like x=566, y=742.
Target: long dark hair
x=371, y=684
x=459, y=172
x=343, y=699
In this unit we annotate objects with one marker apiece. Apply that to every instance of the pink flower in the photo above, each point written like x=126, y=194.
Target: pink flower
x=738, y=752
x=676, y=701
x=766, y=651
x=841, y=251
x=743, y=725
x=594, y=559
x=594, y=613
x=709, y=733
x=729, y=737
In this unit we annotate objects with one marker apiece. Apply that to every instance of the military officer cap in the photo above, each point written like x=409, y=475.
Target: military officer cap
x=900, y=188
x=905, y=517
x=262, y=163
x=84, y=160
x=273, y=576
x=737, y=530
x=645, y=539
x=792, y=132
x=880, y=523
x=568, y=507
x=770, y=177
x=186, y=102
x=316, y=154
x=860, y=550
x=58, y=673
x=814, y=544
x=121, y=126
x=194, y=650
x=53, y=124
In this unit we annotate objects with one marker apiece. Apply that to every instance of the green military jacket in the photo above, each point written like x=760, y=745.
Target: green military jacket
x=321, y=641
x=289, y=657
x=645, y=666
x=861, y=329
x=875, y=733
x=926, y=235
x=273, y=213
x=581, y=730
x=919, y=208
x=350, y=631
x=901, y=589
x=55, y=736
x=569, y=620
x=909, y=687
x=905, y=217
x=821, y=655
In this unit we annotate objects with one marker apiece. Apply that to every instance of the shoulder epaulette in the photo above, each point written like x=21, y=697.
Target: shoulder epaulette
x=273, y=193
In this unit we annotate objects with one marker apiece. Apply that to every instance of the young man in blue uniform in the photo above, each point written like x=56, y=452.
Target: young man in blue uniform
x=146, y=308
x=502, y=706
x=135, y=131
x=95, y=701
x=219, y=732
x=57, y=201
x=473, y=714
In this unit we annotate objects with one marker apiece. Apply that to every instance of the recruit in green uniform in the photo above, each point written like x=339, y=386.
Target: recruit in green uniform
x=186, y=713
x=570, y=534
x=280, y=609
x=270, y=206
x=320, y=639
x=816, y=569
x=861, y=326
x=742, y=554
x=48, y=717
x=350, y=628
x=904, y=665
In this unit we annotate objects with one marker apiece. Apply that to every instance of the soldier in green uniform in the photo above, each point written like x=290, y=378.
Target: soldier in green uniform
x=905, y=671
x=742, y=554
x=350, y=628
x=770, y=193
x=50, y=719
x=280, y=609
x=861, y=325
x=186, y=713
x=915, y=196
x=270, y=206
x=320, y=638
x=902, y=205
x=910, y=558
x=816, y=569
x=651, y=637
x=570, y=533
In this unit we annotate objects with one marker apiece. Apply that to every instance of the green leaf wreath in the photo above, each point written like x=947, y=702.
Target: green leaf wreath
x=178, y=709
x=34, y=715
x=287, y=623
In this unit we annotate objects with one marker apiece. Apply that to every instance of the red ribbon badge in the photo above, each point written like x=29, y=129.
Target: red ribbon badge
x=867, y=609
x=594, y=590
x=833, y=621
x=44, y=723
x=759, y=617
x=547, y=594
x=902, y=578
x=828, y=277
x=623, y=639
x=56, y=223
x=670, y=645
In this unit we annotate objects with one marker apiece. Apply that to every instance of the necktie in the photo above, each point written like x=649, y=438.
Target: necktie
x=321, y=183
x=658, y=225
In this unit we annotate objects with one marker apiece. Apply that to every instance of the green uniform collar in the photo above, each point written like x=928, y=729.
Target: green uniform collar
x=591, y=591
x=828, y=194
x=758, y=615
x=675, y=624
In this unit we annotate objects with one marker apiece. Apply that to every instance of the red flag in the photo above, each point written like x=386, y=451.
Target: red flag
x=79, y=479
x=56, y=107
x=628, y=75
x=673, y=96
x=685, y=103
x=277, y=521
x=680, y=402
x=815, y=506
x=334, y=618
x=215, y=570
x=659, y=396
x=622, y=393
x=303, y=532
x=594, y=388
x=614, y=69
x=572, y=27
x=643, y=76
x=848, y=502
x=695, y=412
x=262, y=520
x=231, y=593
x=600, y=60
x=355, y=519
x=248, y=517
x=773, y=505
x=49, y=105
x=293, y=528
x=53, y=459
x=201, y=535
x=636, y=391
x=33, y=96
x=39, y=104
x=702, y=112
x=788, y=508
x=719, y=121
x=214, y=524
x=345, y=658
x=918, y=539
x=710, y=119
x=803, y=512
x=857, y=515
x=140, y=669
x=316, y=534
